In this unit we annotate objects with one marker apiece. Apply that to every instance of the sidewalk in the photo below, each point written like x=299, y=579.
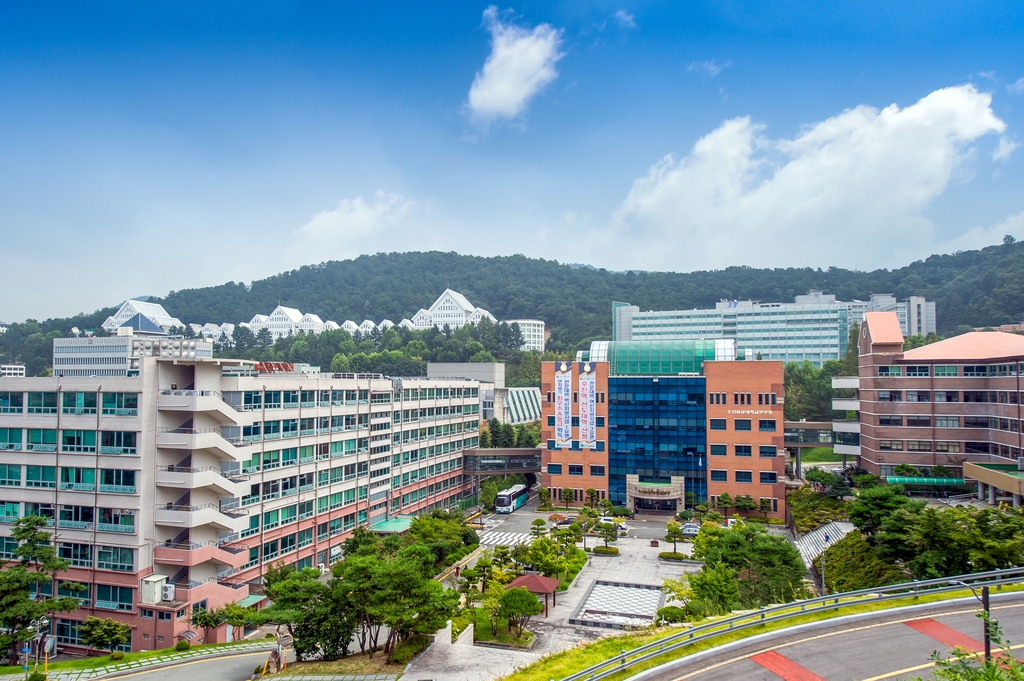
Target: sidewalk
x=146, y=663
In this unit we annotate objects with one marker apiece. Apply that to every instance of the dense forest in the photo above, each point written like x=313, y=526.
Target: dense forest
x=974, y=288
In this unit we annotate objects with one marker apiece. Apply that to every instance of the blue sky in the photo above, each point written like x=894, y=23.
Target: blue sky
x=146, y=147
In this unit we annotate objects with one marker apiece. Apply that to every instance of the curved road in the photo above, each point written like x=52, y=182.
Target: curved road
x=233, y=668
x=872, y=651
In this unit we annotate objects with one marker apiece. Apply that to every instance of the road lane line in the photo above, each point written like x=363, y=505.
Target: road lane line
x=784, y=668
x=946, y=635
x=186, y=664
x=883, y=677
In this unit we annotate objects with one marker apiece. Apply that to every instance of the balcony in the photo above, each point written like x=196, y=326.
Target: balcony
x=192, y=553
x=198, y=438
x=845, y=382
x=846, y=404
x=197, y=477
x=206, y=401
x=113, y=527
x=175, y=515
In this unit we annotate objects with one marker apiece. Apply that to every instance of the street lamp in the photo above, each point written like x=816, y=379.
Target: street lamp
x=39, y=637
x=984, y=606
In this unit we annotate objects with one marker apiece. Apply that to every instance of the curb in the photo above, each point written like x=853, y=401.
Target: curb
x=673, y=666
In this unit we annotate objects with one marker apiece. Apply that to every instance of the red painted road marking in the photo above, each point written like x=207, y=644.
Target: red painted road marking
x=784, y=668
x=945, y=635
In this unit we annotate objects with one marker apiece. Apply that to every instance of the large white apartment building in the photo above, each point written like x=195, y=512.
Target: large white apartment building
x=152, y=311
x=815, y=327
x=176, y=487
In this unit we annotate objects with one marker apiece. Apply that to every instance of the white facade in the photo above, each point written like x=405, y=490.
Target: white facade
x=155, y=313
x=3, y=327
x=451, y=309
x=533, y=333
x=119, y=355
x=12, y=370
x=350, y=326
x=311, y=323
x=367, y=327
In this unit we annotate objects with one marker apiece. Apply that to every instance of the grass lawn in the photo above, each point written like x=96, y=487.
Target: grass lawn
x=482, y=631
x=819, y=455
x=566, y=662
x=352, y=665
x=104, y=660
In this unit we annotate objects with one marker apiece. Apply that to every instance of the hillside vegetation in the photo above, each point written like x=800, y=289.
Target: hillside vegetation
x=975, y=288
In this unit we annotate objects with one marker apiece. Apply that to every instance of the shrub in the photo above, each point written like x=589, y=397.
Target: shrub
x=117, y=655
x=621, y=512
x=181, y=645
x=404, y=653
x=672, y=613
x=811, y=510
x=606, y=550
x=37, y=676
x=449, y=561
x=669, y=555
x=756, y=519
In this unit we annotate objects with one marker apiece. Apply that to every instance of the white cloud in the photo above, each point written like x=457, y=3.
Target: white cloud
x=979, y=237
x=625, y=19
x=1005, y=149
x=1016, y=88
x=709, y=68
x=521, y=63
x=335, y=233
x=851, y=190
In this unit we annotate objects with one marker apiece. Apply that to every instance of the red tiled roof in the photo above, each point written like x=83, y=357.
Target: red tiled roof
x=535, y=584
x=883, y=327
x=977, y=345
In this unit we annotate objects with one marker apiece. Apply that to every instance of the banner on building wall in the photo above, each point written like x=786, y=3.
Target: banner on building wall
x=588, y=405
x=563, y=405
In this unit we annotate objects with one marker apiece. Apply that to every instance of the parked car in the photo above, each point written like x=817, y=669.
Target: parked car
x=567, y=521
x=690, y=530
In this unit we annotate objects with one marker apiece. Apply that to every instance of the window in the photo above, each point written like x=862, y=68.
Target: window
x=719, y=476
x=551, y=420
x=890, y=445
x=164, y=616
x=767, y=452
x=11, y=438
x=181, y=613
x=742, y=450
x=146, y=612
x=78, y=440
x=744, y=476
x=42, y=403
x=717, y=450
x=920, y=372
x=717, y=424
x=12, y=403
x=889, y=371
x=121, y=404
x=919, y=396
x=78, y=479
x=919, y=421
x=947, y=396
x=42, y=440
x=554, y=469
x=977, y=422
x=117, y=481
x=79, y=403
x=10, y=475
x=575, y=469
x=886, y=420
x=769, y=477
x=741, y=424
x=597, y=471
x=766, y=425
x=118, y=442
x=890, y=396
x=76, y=517
x=947, y=421
x=949, y=447
x=919, y=446
x=80, y=555
x=972, y=371
x=115, y=558
x=67, y=632
x=945, y=371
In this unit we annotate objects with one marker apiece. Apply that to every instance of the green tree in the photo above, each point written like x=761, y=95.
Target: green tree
x=674, y=533
x=724, y=503
x=237, y=616
x=828, y=484
x=520, y=553
x=608, y=532
x=546, y=557
x=544, y=495
x=288, y=590
x=745, y=503
x=517, y=606
x=207, y=620
x=874, y=504
x=327, y=624
x=491, y=603
x=568, y=496
x=539, y=528
x=716, y=588
x=851, y=360
x=485, y=439
x=592, y=497
x=768, y=567
x=105, y=634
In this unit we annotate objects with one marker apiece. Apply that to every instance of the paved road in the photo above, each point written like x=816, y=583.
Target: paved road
x=234, y=668
x=867, y=652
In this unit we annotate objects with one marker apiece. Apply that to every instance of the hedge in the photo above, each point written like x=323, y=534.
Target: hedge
x=606, y=550
x=669, y=555
x=404, y=653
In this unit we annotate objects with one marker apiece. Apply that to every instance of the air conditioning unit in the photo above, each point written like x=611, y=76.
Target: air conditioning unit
x=168, y=592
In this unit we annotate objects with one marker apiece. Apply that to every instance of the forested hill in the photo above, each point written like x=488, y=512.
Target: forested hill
x=976, y=288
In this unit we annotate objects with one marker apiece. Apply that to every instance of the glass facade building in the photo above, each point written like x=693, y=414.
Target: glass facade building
x=657, y=431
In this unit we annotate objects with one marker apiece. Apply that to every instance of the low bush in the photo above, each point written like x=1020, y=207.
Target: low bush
x=671, y=613
x=621, y=512
x=37, y=676
x=404, y=653
x=669, y=555
x=117, y=655
x=460, y=623
x=449, y=561
x=181, y=645
x=756, y=519
x=606, y=550
x=811, y=510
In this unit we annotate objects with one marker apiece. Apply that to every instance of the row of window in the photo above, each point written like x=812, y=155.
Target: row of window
x=416, y=496
x=72, y=516
x=925, y=421
x=763, y=399
x=765, y=477
x=111, y=480
x=937, y=446
x=983, y=396
x=81, y=441
x=112, y=404
x=114, y=558
x=763, y=425
x=576, y=445
x=764, y=451
x=976, y=371
x=578, y=494
x=598, y=421
x=575, y=469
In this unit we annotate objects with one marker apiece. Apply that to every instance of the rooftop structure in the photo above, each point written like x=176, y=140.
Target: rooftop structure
x=12, y=370
x=152, y=311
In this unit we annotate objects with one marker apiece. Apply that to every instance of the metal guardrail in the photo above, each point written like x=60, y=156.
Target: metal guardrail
x=776, y=613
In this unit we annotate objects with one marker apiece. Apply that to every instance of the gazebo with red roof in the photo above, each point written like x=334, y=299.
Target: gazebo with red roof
x=537, y=585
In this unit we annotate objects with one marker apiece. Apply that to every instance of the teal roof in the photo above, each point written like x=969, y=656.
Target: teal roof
x=393, y=526
x=659, y=358
x=251, y=600
x=901, y=480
